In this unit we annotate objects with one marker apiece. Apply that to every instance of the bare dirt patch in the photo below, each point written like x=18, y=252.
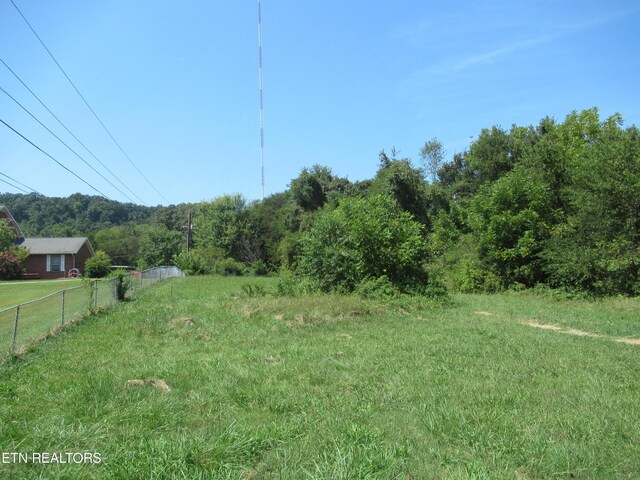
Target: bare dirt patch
x=150, y=382
x=181, y=322
x=482, y=312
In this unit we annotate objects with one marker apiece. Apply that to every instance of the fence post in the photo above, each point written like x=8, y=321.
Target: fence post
x=62, y=310
x=15, y=329
x=95, y=299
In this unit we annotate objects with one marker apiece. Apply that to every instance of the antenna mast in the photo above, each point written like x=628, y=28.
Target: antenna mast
x=261, y=107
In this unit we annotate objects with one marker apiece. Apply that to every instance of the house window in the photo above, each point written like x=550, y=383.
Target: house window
x=55, y=263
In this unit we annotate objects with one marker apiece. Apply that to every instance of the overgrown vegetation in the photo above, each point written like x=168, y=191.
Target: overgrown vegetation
x=122, y=283
x=556, y=205
x=11, y=255
x=329, y=386
x=98, y=266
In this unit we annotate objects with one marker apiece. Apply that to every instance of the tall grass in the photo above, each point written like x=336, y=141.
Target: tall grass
x=328, y=387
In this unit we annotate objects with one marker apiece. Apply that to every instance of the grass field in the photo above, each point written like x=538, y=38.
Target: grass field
x=13, y=293
x=331, y=387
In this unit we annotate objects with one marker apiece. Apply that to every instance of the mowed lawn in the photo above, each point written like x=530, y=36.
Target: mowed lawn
x=13, y=293
x=331, y=387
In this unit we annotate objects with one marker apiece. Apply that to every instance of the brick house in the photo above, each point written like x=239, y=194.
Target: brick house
x=51, y=257
x=54, y=257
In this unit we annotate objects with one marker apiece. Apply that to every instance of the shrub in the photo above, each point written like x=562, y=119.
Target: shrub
x=10, y=266
x=291, y=285
x=380, y=287
x=471, y=277
x=364, y=239
x=259, y=268
x=98, y=266
x=230, y=267
x=199, y=261
x=122, y=283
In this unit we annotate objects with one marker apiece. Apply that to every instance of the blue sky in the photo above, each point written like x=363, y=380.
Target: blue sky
x=176, y=83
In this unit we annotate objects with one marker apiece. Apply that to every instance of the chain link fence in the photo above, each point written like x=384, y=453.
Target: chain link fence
x=23, y=324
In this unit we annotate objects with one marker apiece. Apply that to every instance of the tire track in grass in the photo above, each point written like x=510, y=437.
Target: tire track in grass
x=570, y=331
x=579, y=333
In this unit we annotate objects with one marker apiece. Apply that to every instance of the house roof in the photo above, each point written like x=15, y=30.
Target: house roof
x=45, y=246
x=5, y=213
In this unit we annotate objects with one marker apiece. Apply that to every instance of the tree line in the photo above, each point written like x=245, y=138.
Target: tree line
x=553, y=205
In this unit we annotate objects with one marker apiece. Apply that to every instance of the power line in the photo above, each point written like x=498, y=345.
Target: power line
x=14, y=180
x=69, y=131
x=87, y=103
x=63, y=142
x=52, y=158
x=14, y=186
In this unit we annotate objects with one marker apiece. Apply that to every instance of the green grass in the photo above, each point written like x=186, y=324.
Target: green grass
x=13, y=293
x=330, y=387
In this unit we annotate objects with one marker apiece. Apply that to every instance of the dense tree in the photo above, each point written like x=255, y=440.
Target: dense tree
x=121, y=242
x=432, y=157
x=598, y=248
x=11, y=255
x=158, y=246
x=364, y=239
x=316, y=186
x=8, y=235
x=405, y=184
x=555, y=204
x=221, y=224
x=512, y=218
x=78, y=214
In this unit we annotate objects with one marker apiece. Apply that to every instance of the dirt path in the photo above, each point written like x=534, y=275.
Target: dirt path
x=580, y=333
x=571, y=331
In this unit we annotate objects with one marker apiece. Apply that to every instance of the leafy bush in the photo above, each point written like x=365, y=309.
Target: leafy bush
x=11, y=255
x=259, y=268
x=364, y=239
x=98, y=266
x=289, y=250
x=230, y=267
x=291, y=285
x=10, y=266
x=511, y=219
x=122, y=283
x=199, y=261
x=471, y=277
x=380, y=287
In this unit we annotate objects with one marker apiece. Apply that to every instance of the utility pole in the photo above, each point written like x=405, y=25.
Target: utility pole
x=189, y=227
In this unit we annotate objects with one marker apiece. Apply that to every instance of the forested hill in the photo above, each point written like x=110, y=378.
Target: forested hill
x=77, y=214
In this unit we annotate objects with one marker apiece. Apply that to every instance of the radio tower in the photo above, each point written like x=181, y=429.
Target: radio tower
x=261, y=107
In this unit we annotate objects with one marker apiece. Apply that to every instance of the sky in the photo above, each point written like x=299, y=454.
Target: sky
x=176, y=85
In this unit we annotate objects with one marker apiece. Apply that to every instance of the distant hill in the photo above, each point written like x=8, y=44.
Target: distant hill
x=77, y=214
